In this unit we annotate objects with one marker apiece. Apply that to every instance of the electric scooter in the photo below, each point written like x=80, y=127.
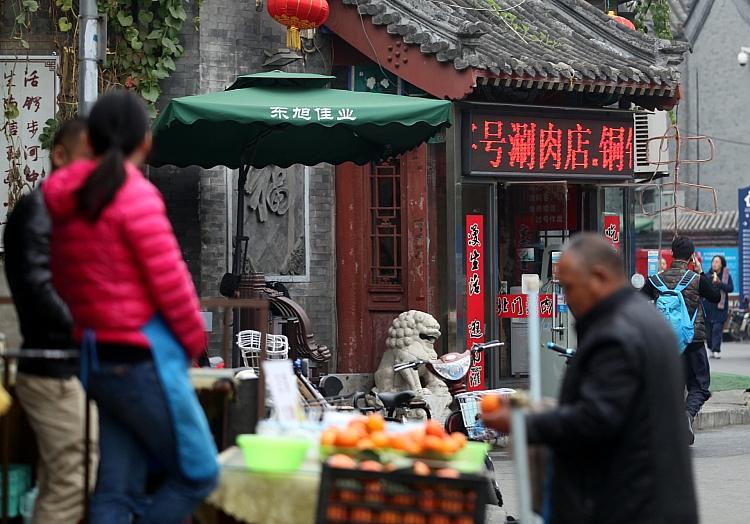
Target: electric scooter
x=453, y=368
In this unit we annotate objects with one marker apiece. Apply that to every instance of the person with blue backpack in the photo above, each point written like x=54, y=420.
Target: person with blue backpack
x=678, y=293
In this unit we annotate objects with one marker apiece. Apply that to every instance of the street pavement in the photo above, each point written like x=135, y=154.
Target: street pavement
x=722, y=476
x=735, y=358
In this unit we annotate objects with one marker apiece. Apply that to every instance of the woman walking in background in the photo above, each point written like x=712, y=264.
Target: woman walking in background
x=116, y=263
x=716, y=314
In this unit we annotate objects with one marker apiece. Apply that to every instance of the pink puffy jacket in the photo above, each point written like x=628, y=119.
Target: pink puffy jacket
x=117, y=273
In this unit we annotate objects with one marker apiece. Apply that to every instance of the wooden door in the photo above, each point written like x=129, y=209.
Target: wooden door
x=383, y=253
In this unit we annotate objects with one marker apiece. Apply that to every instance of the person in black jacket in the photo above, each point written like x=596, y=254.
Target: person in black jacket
x=618, y=446
x=694, y=358
x=49, y=391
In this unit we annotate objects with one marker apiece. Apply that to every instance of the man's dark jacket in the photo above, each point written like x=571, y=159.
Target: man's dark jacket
x=619, y=434
x=44, y=318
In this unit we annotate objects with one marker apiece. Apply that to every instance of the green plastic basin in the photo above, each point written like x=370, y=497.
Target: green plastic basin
x=273, y=454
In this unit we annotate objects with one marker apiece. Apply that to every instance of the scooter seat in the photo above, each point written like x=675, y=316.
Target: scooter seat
x=392, y=400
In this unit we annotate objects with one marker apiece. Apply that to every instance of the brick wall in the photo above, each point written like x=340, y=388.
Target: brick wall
x=230, y=40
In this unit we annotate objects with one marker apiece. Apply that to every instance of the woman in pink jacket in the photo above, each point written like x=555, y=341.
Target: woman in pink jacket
x=117, y=265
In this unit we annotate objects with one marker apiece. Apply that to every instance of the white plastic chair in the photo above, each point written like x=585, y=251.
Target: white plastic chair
x=277, y=348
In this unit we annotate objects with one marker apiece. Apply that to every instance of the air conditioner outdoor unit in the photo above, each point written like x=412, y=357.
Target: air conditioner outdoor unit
x=651, y=124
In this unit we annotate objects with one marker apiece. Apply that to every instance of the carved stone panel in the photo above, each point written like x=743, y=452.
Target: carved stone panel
x=276, y=221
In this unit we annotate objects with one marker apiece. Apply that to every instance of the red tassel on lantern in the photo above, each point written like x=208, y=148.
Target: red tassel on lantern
x=298, y=15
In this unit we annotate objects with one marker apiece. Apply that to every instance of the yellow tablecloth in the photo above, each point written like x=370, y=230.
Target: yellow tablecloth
x=260, y=498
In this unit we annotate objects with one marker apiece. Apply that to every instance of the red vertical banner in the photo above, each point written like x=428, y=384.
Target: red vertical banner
x=612, y=230
x=475, y=294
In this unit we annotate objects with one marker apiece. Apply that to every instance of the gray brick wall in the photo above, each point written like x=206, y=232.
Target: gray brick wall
x=713, y=81
x=318, y=296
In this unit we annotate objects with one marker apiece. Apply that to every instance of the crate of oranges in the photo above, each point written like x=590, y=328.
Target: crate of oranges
x=368, y=492
x=369, y=434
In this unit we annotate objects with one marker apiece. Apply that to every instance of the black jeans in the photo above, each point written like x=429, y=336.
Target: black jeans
x=697, y=376
x=714, y=332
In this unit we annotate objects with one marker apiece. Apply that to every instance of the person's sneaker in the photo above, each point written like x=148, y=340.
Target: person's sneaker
x=691, y=433
x=717, y=355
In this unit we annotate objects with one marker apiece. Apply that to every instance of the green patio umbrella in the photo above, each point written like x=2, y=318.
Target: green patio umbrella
x=283, y=119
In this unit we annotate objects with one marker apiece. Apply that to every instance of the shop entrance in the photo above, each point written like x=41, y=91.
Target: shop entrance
x=534, y=221
x=526, y=227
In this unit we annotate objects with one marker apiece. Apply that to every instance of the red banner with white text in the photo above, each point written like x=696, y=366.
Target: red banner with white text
x=475, y=293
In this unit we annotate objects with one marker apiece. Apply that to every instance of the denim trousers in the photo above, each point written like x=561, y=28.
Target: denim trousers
x=135, y=427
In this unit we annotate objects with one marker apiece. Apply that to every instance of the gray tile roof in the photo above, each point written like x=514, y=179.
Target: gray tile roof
x=690, y=222
x=554, y=44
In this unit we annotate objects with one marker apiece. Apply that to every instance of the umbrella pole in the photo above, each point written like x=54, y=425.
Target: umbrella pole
x=240, y=226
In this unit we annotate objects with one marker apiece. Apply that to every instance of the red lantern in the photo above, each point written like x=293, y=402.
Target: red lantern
x=298, y=15
x=621, y=20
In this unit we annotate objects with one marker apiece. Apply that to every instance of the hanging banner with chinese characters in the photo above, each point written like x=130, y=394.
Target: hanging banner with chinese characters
x=511, y=305
x=551, y=143
x=29, y=88
x=475, y=296
x=611, y=225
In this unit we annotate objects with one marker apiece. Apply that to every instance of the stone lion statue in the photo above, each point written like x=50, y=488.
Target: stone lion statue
x=411, y=337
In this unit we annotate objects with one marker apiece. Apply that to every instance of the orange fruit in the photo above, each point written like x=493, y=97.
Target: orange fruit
x=448, y=473
x=433, y=427
x=432, y=443
x=347, y=438
x=460, y=438
x=375, y=422
x=371, y=465
x=414, y=447
x=379, y=439
x=489, y=403
x=421, y=469
x=328, y=437
x=359, y=427
x=399, y=442
x=365, y=443
x=341, y=461
x=450, y=446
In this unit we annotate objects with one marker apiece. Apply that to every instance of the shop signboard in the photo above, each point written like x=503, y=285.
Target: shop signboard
x=744, y=240
x=475, y=293
x=30, y=88
x=611, y=226
x=516, y=305
x=730, y=254
x=548, y=143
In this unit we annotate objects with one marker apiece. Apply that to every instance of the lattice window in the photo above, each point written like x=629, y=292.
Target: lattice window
x=385, y=233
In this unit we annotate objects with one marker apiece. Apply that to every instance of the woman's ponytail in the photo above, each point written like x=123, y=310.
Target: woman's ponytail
x=117, y=126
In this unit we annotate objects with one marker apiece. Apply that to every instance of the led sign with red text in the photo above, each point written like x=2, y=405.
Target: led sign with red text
x=502, y=143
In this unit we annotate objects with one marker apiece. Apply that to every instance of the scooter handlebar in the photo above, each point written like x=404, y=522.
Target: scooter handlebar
x=487, y=345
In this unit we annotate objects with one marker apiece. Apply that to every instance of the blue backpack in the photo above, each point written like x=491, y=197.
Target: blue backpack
x=672, y=305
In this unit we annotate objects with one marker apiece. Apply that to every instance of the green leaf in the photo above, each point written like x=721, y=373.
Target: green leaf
x=150, y=93
x=178, y=12
x=136, y=44
x=31, y=5
x=124, y=19
x=24, y=44
x=145, y=17
x=169, y=45
x=161, y=74
x=64, y=24
x=168, y=63
x=21, y=18
x=65, y=5
x=156, y=34
x=151, y=59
